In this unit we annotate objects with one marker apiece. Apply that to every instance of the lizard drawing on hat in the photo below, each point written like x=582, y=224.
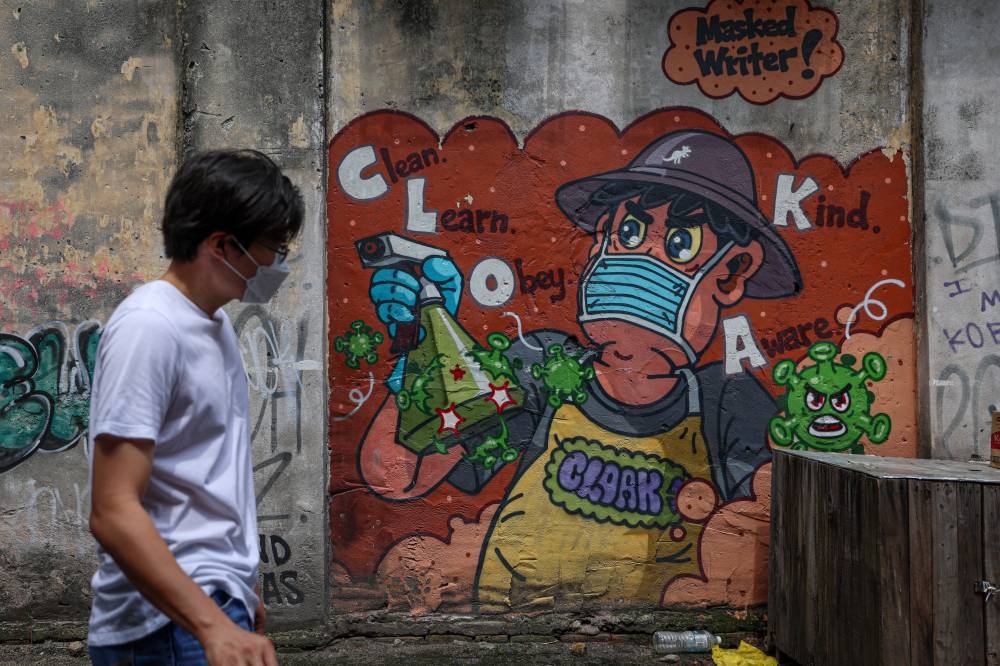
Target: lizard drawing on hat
x=636, y=425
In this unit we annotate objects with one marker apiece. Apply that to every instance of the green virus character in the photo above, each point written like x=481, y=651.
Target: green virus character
x=827, y=406
x=358, y=343
x=418, y=394
x=493, y=361
x=493, y=449
x=563, y=375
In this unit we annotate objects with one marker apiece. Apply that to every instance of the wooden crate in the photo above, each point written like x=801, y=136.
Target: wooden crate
x=876, y=560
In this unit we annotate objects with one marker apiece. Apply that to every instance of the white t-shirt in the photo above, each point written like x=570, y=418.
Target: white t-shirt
x=169, y=373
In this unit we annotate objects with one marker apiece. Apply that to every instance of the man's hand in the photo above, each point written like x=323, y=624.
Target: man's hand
x=229, y=645
x=395, y=292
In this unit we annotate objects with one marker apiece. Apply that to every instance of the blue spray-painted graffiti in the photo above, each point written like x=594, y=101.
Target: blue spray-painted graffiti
x=45, y=380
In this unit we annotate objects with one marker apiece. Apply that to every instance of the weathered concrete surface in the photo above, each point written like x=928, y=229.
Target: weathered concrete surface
x=961, y=150
x=524, y=61
x=255, y=78
x=93, y=96
x=88, y=113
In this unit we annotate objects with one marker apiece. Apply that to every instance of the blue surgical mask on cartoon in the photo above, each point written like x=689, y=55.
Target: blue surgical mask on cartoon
x=643, y=291
x=262, y=285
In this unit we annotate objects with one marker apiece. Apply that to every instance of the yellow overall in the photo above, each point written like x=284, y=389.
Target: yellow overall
x=549, y=547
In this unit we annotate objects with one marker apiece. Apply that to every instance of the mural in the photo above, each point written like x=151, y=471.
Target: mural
x=45, y=380
x=764, y=50
x=554, y=384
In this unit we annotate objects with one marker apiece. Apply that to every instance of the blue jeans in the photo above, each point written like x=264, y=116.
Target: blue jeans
x=169, y=644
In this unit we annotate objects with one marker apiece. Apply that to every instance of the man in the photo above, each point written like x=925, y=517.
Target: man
x=173, y=505
x=620, y=466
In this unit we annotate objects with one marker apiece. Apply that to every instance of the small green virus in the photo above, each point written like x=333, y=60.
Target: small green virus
x=359, y=343
x=493, y=361
x=417, y=393
x=493, y=449
x=828, y=405
x=563, y=375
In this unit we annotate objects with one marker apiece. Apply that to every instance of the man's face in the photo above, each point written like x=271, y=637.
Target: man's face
x=685, y=243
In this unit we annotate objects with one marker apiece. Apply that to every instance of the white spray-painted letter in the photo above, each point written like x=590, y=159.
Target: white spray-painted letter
x=418, y=219
x=502, y=275
x=349, y=175
x=788, y=201
x=740, y=344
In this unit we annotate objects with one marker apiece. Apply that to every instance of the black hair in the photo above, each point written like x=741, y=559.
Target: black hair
x=240, y=192
x=725, y=225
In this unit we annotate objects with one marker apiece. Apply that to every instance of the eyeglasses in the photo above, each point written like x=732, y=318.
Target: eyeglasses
x=281, y=252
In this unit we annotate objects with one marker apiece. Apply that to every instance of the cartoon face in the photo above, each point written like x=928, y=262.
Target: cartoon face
x=829, y=403
x=657, y=280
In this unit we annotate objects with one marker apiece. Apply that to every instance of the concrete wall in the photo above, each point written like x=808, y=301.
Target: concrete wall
x=101, y=101
x=962, y=201
x=489, y=474
x=89, y=114
x=456, y=124
x=239, y=94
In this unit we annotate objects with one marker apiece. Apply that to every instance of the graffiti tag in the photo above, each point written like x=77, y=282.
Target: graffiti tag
x=45, y=380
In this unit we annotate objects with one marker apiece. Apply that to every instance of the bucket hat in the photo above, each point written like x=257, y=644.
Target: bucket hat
x=707, y=165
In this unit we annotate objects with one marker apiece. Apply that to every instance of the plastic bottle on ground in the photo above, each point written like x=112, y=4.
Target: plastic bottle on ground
x=672, y=642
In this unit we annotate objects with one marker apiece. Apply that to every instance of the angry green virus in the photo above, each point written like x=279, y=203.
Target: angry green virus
x=563, y=375
x=360, y=342
x=827, y=404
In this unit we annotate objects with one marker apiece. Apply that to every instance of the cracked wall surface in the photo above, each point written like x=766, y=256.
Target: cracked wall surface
x=494, y=482
x=100, y=103
x=89, y=106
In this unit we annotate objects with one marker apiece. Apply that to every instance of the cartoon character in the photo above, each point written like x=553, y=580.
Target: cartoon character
x=616, y=431
x=828, y=404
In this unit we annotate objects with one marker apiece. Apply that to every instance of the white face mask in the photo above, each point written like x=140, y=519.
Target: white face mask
x=263, y=285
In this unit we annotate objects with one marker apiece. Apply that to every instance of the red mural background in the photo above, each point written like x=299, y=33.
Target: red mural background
x=859, y=236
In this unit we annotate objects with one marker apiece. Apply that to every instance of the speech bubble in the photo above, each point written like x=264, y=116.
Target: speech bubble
x=762, y=49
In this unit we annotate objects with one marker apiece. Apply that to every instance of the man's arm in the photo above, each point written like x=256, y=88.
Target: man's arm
x=121, y=471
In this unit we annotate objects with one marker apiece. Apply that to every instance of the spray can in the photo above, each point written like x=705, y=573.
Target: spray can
x=673, y=642
x=446, y=394
x=995, y=439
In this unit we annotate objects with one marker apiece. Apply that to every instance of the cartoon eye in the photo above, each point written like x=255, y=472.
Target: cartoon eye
x=632, y=232
x=840, y=401
x=683, y=244
x=815, y=400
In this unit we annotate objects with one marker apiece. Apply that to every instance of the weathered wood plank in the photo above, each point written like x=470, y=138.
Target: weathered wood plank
x=970, y=639
x=894, y=571
x=778, y=598
x=866, y=586
x=856, y=582
x=991, y=570
x=947, y=597
x=791, y=635
x=921, y=510
x=808, y=526
x=877, y=568
x=822, y=561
